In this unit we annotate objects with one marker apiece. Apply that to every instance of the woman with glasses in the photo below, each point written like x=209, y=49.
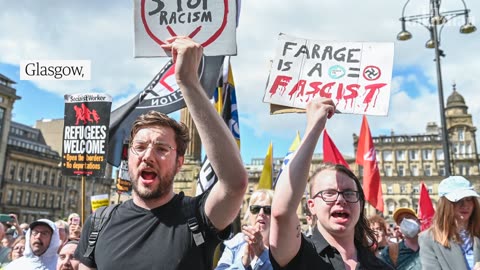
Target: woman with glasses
x=18, y=247
x=249, y=249
x=453, y=240
x=342, y=237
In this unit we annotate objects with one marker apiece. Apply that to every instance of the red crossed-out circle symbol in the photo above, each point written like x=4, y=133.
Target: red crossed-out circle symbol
x=371, y=73
x=172, y=33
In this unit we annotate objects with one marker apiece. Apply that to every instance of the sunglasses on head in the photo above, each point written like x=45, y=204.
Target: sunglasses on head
x=255, y=209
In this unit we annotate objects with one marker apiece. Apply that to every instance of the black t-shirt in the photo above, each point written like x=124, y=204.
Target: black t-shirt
x=316, y=253
x=137, y=238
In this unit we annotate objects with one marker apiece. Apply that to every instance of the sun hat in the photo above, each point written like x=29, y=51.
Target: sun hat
x=455, y=188
x=402, y=210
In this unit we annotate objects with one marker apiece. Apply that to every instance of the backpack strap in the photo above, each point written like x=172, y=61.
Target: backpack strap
x=99, y=219
x=189, y=206
x=393, y=253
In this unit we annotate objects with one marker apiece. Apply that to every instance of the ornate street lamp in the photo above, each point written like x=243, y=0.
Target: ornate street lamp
x=431, y=22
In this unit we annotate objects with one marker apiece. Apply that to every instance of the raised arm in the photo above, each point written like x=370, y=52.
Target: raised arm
x=285, y=231
x=225, y=198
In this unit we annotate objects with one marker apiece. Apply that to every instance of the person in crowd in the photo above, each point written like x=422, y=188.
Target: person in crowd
x=153, y=228
x=7, y=241
x=453, y=240
x=379, y=227
x=63, y=232
x=73, y=218
x=24, y=227
x=404, y=255
x=249, y=249
x=342, y=237
x=4, y=251
x=66, y=260
x=42, y=243
x=74, y=232
x=18, y=247
x=311, y=221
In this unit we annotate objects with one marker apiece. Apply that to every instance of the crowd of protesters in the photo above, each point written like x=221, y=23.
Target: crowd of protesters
x=159, y=229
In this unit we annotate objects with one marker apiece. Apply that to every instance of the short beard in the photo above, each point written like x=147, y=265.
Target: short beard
x=164, y=187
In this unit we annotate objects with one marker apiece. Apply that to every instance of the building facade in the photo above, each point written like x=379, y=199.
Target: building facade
x=32, y=184
x=405, y=160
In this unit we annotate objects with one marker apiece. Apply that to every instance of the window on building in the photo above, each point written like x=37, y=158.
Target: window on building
x=389, y=189
x=430, y=189
x=391, y=208
x=427, y=154
x=400, y=155
x=52, y=178
x=12, y=171
x=29, y=175
x=387, y=155
x=439, y=154
x=441, y=170
x=10, y=196
x=403, y=188
x=27, y=198
x=18, y=198
x=414, y=170
x=51, y=201
x=388, y=170
x=37, y=177
x=401, y=170
x=20, y=174
x=59, y=202
x=416, y=189
x=45, y=178
x=428, y=170
x=59, y=179
x=461, y=134
x=43, y=201
x=413, y=154
x=35, y=199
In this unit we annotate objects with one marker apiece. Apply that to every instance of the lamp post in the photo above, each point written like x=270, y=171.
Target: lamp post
x=431, y=22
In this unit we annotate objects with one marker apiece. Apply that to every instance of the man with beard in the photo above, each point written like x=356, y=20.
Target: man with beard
x=152, y=231
x=41, y=249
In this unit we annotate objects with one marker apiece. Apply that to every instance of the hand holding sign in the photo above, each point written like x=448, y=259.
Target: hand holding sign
x=186, y=55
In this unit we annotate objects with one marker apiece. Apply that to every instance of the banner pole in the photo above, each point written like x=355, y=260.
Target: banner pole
x=83, y=199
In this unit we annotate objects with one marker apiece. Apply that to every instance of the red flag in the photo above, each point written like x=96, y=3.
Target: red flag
x=366, y=157
x=425, y=207
x=330, y=151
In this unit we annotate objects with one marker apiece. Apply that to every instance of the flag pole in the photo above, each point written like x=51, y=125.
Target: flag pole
x=83, y=199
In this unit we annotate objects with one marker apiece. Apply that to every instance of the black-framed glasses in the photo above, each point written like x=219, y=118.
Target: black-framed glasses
x=255, y=209
x=41, y=233
x=331, y=195
x=159, y=148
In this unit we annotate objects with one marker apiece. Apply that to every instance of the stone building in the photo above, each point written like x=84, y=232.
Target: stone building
x=32, y=186
x=405, y=160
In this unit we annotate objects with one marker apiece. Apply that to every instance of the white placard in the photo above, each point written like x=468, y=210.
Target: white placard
x=212, y=23
x=356, y=75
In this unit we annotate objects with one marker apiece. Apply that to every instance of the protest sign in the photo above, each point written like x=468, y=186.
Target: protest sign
x=356, y=75
x=85, y=134
x=98, y=201
x=210, y=23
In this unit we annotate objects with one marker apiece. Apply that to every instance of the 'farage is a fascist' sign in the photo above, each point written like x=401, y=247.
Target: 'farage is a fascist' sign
x=356, y=75
x=85, y=134
x=211, y=23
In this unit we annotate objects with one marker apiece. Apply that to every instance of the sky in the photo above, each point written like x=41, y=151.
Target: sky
x=102, y=31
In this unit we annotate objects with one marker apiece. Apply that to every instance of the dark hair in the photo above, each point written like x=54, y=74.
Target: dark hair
x=363, y=234
x=154, y=118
